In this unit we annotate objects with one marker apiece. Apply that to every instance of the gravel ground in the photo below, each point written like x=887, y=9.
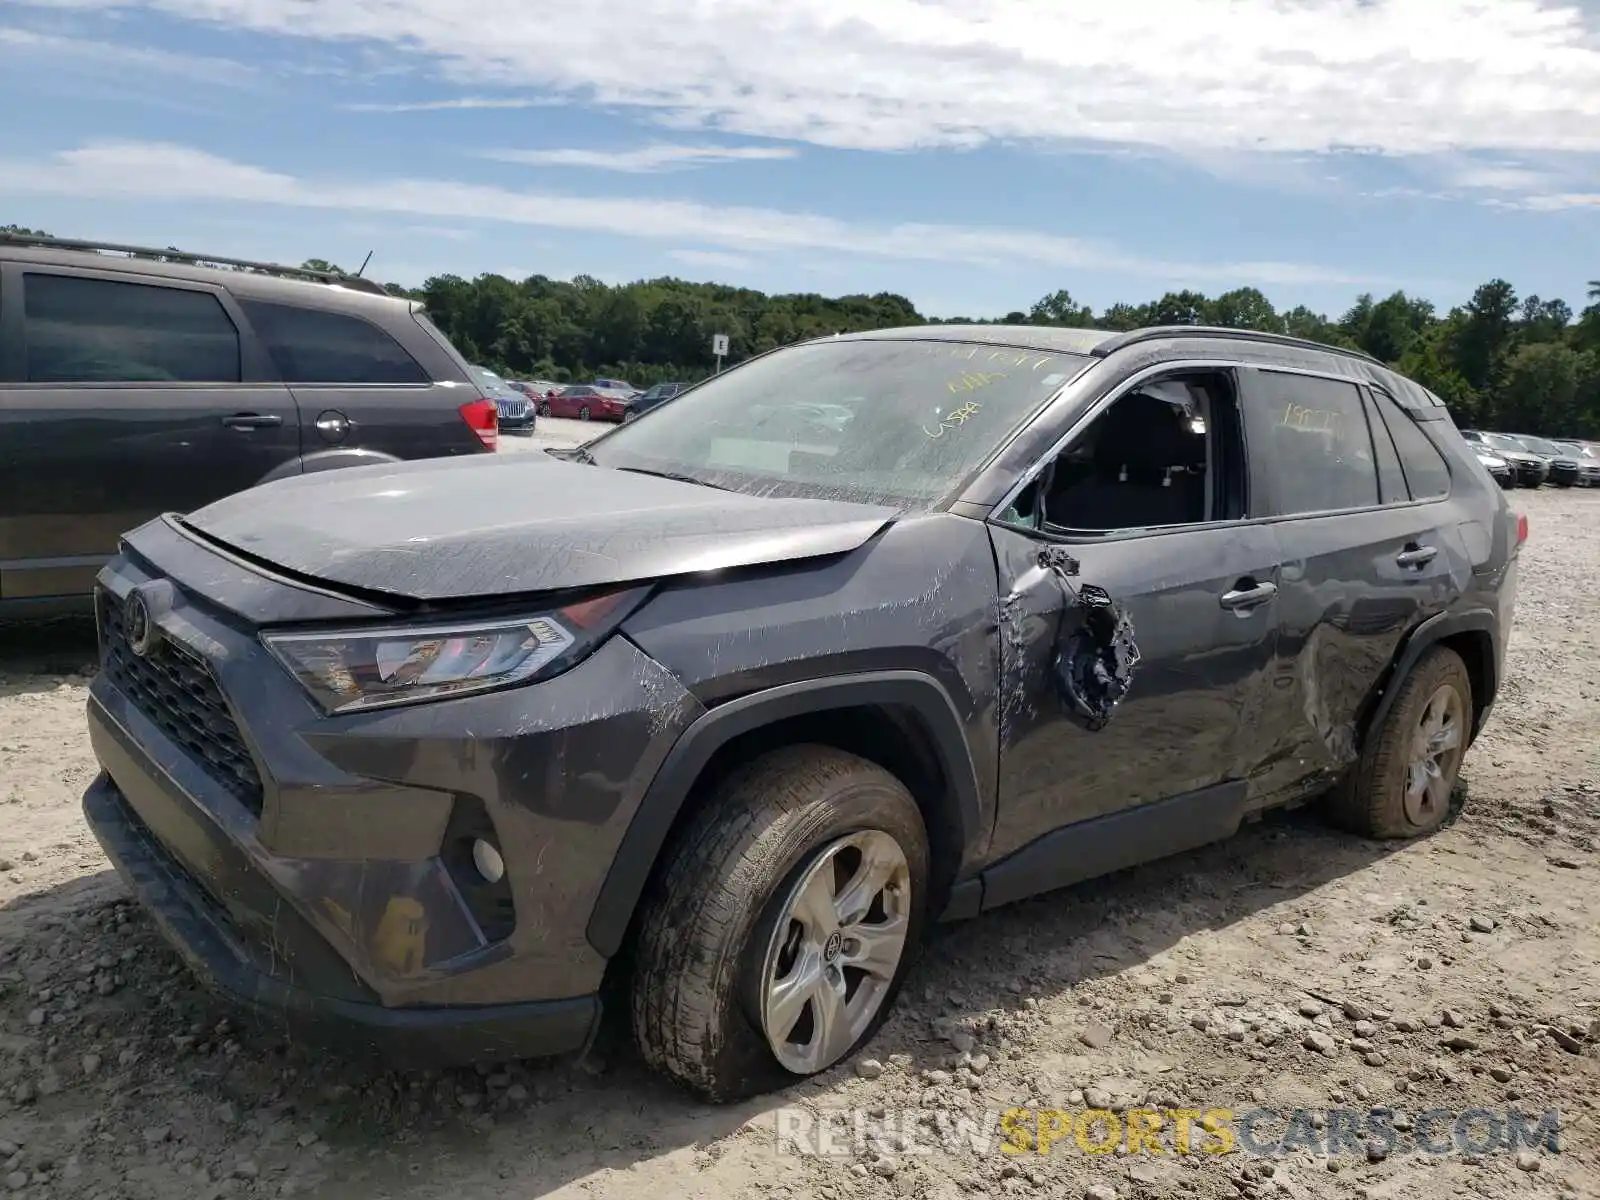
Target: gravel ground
x=1291, y=968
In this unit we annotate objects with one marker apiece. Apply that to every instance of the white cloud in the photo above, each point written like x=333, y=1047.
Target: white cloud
x=459, y=103
x=164, y=172
x=718, y=260
x=1394, y=76
x=643, y=159
x=39, y=48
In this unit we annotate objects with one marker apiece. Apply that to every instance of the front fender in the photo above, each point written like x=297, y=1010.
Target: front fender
x=663, y=800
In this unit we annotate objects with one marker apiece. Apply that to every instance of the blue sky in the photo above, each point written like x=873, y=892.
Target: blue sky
x=970, y=154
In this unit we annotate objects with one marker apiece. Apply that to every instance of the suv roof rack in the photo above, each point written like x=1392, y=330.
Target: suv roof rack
x=1153, y=332
x=357, y=282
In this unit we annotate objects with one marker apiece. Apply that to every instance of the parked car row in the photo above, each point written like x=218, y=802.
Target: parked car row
x=601, y=400
x=1522, y=460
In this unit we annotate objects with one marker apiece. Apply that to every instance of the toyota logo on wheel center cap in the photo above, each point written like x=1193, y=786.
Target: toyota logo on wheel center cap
x=832, y=947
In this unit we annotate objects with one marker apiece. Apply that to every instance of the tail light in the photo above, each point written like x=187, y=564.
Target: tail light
x=1522, y=528
x=483, y=418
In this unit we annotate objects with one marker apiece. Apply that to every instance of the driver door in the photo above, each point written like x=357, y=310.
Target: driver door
x=1084, y=791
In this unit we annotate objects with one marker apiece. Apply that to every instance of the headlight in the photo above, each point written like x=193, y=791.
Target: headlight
x=1492, y=462
x=352, y=669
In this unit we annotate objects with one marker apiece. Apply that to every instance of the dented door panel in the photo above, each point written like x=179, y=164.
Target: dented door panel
x=1353, y=586
x=1195, y=684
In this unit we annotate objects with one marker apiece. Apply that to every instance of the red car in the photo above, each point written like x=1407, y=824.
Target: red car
x=585, y=402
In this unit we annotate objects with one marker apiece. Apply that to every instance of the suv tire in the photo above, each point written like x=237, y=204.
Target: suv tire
x=732, y=913
x=1402, y=784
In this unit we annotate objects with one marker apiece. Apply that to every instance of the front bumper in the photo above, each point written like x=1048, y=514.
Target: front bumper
x=312, y=867
x=213, y=950
x=1530, y=474
x=1564, y=475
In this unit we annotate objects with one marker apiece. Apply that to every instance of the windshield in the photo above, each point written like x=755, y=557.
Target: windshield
x=900, y=423
x=489, y=381
x=1504, y=441
x=1540, y=446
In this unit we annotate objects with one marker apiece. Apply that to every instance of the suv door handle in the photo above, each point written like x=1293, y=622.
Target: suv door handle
x=253, y=421
x=1416, y=556
x=1240, y=599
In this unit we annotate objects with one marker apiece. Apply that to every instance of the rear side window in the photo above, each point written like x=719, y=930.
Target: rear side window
x=80, y=330
x=1309, y=442
x=310, y=345
x=1426, y=472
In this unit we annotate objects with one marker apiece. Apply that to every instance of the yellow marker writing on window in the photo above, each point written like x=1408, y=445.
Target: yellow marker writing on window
x=959, y=417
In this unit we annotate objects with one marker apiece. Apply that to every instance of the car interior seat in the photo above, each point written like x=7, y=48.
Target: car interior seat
x=1148, y=469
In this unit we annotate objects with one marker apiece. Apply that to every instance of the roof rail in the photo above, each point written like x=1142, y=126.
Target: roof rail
x=1153, y=332
x=169, y=254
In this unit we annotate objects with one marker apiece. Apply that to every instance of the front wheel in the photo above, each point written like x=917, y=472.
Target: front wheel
x=630, y=415
x=1401, y=785
x=544, y=410
x=789, y=912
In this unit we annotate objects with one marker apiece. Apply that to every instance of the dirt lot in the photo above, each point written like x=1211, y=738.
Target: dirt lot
x=1291, y=968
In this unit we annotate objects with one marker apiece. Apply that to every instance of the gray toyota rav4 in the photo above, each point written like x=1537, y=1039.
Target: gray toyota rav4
x=721, y=711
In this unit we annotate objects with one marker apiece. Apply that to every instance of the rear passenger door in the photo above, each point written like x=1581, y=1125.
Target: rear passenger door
x=1366, y=557
x=121, y=397
x=363, y=393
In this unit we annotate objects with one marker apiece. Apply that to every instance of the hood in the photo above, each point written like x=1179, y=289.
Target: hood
x=453, y=528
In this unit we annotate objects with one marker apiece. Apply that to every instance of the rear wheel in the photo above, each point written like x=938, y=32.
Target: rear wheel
x=583, y=413
x=1402, y=784
x=782, y=930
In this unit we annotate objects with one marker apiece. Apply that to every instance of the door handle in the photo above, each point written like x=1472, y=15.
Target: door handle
x=1416, y=556
x=1242, y=598
x=253, y=421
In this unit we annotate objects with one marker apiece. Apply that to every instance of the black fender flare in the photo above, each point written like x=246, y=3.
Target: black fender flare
x=1432, y=631
x=647, y=833
x=326, y=460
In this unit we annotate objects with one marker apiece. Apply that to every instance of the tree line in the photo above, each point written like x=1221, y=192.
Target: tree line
x=1500, y=360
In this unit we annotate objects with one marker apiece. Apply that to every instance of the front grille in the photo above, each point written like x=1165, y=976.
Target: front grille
x=174, y=688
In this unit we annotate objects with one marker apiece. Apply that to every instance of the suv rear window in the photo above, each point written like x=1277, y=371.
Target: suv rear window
x=82, y=330
x=310, y=345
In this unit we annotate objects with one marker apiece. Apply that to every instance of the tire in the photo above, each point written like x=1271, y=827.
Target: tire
x=629, y=416
x=544, y=410
x=709, y=932
x=1372, y=800
x=583, y=413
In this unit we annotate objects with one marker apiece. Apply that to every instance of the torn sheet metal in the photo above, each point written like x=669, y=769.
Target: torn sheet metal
x=1094, y=667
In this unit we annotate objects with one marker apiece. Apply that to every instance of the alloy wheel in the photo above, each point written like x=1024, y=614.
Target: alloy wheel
x=1436, y=746
x=835, y=950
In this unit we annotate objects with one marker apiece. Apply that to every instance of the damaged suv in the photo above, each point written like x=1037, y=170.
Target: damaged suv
x=723, y=710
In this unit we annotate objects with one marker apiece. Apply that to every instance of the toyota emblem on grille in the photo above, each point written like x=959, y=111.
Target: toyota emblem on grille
x=137, y=624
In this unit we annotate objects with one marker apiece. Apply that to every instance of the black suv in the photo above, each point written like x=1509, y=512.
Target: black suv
x=130, y=387
x=782, y=690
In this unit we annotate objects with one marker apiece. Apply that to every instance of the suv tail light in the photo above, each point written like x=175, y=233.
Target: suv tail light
x=1522, y=528
x=483, y=418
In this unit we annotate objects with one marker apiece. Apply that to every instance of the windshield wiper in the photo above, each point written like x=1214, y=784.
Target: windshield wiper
x=571, y=454
x=673, y=475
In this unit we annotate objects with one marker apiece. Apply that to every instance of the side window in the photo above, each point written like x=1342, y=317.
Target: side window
x=1391, y=479
x=1167, y=453
x=81, y=330
x=1425, y=468
x=310, y=345
x=1310, y=444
